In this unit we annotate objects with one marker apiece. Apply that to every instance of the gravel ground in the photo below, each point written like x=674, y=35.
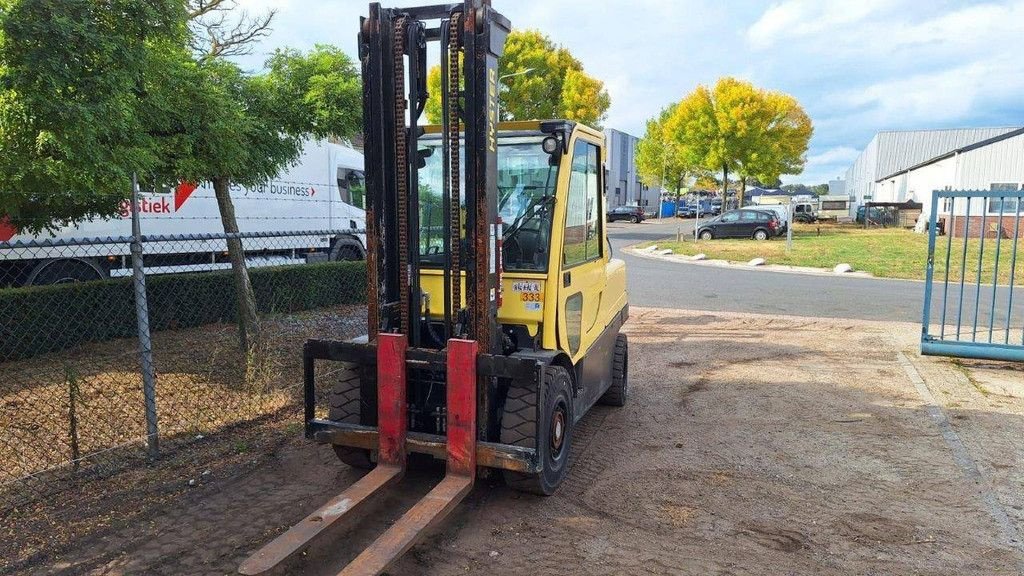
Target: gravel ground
x=751, y=445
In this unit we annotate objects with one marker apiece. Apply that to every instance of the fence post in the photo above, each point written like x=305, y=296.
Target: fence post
x=789, y=226
x=142, y=314
x=72, y=379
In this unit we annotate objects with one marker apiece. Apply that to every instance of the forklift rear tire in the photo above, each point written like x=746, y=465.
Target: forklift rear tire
x=346, y=408
x=618, y=392
x=552, y=436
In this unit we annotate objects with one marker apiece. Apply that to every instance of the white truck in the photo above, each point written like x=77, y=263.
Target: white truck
x=322, y=192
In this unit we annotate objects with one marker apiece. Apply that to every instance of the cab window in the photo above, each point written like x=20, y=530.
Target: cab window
x=352, y=187
x=582, y=238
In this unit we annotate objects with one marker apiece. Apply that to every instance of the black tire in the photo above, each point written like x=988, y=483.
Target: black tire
x=346, y=406
x=519, y=427
x=706, y=235
x=345, y=251
x=68, y=271
x=634, y=219
x=760, y=235
x=618, y=392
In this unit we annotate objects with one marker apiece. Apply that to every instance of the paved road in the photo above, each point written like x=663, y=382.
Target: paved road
x=669, y=285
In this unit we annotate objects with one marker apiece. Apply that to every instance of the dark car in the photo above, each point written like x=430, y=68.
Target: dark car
x=687, y=210
x=755, y=224
x=876, y=216
x=634, y=214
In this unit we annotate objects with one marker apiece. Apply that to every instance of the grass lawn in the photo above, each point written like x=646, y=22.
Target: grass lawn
x=887, y=253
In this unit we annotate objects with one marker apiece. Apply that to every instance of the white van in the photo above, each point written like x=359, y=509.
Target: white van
x=322, y=193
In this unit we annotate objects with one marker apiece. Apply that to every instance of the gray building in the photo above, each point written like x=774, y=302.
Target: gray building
x=837, y=187
x=624, y=186
x=891, y=151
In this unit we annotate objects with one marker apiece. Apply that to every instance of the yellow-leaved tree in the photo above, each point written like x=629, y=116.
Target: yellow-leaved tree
x=737, y=128
x=661, y=161
x=538, y=80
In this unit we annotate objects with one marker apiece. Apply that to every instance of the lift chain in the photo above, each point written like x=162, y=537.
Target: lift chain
x=402, y=176
x=454, y=116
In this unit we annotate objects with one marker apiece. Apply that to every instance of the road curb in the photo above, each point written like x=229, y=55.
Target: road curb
x=678, y=259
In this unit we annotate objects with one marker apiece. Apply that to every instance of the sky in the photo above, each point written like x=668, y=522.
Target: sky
x=857, y=67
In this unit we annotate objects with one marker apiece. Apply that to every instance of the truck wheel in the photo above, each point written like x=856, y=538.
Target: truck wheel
x=618, y=392
x=552, y=436
x=66, y=271
x=346, y=406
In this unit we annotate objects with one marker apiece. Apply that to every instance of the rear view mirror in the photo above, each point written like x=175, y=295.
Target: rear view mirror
x=552, y=146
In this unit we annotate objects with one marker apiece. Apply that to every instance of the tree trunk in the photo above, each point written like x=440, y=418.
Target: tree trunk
x=725, y=185
x=743, y=192
x=679, y=191
x=248, y=320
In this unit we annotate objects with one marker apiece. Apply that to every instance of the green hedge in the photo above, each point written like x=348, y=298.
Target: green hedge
x=44, y=319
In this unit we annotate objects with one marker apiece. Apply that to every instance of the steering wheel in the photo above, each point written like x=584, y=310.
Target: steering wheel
x=508, y=250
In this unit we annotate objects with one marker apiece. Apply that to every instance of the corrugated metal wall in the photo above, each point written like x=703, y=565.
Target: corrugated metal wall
x=899, y=150
x=996, y=163
x=893, y=150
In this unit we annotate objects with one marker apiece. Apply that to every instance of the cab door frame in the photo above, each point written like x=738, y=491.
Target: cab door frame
x=581, y=259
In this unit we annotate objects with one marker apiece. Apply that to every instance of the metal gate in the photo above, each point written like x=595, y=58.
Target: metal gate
x=972, y=304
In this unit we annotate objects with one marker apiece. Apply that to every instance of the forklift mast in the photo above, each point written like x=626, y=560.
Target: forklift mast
x=393, y=53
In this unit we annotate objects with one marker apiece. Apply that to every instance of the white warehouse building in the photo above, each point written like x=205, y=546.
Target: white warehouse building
x=891, y=152
x=994, y=164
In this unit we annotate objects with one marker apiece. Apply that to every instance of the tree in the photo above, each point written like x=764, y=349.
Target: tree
x=744, y=130
x=220, y=29
x=786, y=130
x=538, y=79
x=76, y=85
x=252, y=127
x=92, y=91
x=244, y=129
x=662, y=161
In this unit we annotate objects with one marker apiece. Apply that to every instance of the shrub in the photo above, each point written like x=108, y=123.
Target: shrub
x=38, y=320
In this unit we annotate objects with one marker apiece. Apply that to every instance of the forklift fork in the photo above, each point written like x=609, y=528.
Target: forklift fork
x=392, y=424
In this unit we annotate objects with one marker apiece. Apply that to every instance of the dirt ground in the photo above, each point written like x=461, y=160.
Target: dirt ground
x=750, y=445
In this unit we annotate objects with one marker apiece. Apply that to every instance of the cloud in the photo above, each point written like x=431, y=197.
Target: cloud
x=794, y=18
x=856, y=67
x=837, y=155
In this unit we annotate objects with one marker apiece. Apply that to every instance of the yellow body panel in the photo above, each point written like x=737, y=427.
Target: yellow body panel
x=586, y=297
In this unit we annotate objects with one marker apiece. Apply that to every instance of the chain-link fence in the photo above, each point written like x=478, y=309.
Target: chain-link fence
x=103, y=368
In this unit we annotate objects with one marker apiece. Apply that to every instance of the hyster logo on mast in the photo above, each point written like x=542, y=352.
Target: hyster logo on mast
x=160, y=205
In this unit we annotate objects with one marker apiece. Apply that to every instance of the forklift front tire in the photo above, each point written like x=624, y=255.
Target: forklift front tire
x=552, y=436
x=345, y=407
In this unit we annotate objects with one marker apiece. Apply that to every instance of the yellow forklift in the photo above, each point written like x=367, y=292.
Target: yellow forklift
x=495, y=306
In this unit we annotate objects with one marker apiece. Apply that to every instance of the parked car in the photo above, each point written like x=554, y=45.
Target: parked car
x=716, y=206
x=634, y=214
x=805, y=212
x=877, y=216
x=686, y=210
x=695, y=208
x=756, y=224
x=780, y=211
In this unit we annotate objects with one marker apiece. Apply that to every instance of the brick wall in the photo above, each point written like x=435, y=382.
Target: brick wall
x=991, y=225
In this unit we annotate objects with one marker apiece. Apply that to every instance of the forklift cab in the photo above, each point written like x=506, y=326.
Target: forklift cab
x=553, y=251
